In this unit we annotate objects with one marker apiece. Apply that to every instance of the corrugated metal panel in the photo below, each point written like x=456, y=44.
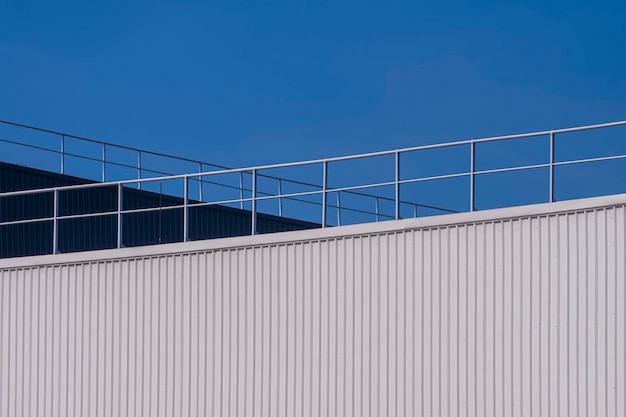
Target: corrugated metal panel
x=138, y=229
x=517, y=317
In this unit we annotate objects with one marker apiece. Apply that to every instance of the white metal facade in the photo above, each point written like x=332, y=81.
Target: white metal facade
x=515, y=312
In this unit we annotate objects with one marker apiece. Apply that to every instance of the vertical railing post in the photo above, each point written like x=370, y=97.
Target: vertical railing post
x=472, y=177
x=551, y=167
x=324, y=189
x=253, y=202
x=62, y=154
x=104, y=162
x=414, y=211
x=120, y=205
x=55, y=222
x=241, y=203
x=200, y=183
x=186, y=209
x=338, y=208
x=139, y=169
x=377, y=209
x=397, y=185
x=280, y=199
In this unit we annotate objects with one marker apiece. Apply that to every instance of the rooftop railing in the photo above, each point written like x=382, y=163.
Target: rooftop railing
x=322, y=187
x=149, y=164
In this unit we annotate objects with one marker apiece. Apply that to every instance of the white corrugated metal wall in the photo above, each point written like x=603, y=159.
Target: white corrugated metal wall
x=512, y=317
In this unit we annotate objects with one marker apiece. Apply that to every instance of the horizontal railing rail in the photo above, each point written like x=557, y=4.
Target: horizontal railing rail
x=141, y=168
x=256, y=172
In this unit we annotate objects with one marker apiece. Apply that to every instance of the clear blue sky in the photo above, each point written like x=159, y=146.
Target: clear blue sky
x=247, y=83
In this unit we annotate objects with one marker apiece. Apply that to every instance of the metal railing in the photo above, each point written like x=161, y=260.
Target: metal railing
x=256, y=172
x=141, y=168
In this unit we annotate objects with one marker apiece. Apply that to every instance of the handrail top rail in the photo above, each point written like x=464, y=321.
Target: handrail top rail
x=338, y=158
x=111, y=144
x=254, y=169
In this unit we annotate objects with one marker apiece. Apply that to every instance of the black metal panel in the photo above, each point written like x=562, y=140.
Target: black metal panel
x=90, y=233
x=25, y=239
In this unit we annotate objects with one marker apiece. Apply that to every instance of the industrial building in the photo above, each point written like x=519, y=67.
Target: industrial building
x=118, y=297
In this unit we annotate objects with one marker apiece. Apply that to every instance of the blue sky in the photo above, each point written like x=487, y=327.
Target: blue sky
x=248, y=83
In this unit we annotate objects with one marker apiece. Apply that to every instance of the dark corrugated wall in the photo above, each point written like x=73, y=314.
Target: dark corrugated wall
x=138, y=229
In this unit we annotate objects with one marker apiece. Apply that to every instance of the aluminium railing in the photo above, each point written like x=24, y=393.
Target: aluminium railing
x=140, y=168
x=255, y=198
